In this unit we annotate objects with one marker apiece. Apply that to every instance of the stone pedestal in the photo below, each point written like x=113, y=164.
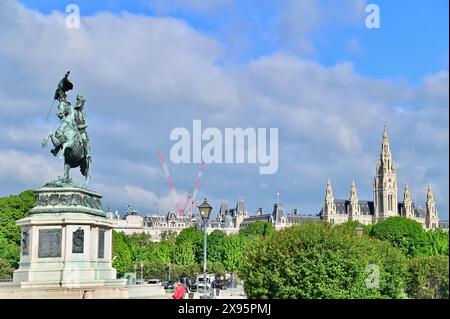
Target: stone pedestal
x=66, y=241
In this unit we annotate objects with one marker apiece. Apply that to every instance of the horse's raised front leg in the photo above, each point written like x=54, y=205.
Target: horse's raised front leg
x=68, y=144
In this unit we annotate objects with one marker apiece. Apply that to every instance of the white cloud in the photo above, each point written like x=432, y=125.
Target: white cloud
x=165, y=6
x=26, y=169
x=143, y=76
x=299, y=19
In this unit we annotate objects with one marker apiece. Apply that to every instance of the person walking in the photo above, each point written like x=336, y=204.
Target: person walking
x=180, y=291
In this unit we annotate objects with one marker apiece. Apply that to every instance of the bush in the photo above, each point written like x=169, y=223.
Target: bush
x=404, y=233
x=351, y=224
x=428, y=277
x=317, y=260
x=438, y=241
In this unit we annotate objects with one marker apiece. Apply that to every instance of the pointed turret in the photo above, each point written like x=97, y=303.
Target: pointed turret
x=431, y=217
x=353, y=195
x=223, y=210
x=329, y=207
x=329, y=191
x=407, y=203
x=429, y=194
x=354, y=202
x=385, y=153
x=241, y=212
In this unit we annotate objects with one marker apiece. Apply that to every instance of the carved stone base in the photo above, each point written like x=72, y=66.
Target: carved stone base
x=67, y=198
x=66, y=241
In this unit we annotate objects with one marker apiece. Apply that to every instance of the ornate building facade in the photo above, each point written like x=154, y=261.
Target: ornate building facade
x=385, y=203
x=155, y=226
x=228, y=220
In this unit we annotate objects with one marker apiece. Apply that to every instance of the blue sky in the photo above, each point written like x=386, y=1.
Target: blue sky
x=412, y=40
x=308, y=67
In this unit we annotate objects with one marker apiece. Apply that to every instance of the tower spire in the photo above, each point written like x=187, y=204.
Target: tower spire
x=407, y=203
x=429, y=194
x=354, y=203
x=329, y=207
x=329, y=191
x=406, y=194
x=353, y=194
x=431, y=217
x=385, y=183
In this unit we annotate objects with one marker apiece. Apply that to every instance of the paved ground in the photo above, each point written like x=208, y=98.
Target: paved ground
x=230, y=293
x=235, y=293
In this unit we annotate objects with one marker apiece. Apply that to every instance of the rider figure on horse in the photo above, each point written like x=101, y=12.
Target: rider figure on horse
x=70, y=141
x=64, y=108
x=80, y=121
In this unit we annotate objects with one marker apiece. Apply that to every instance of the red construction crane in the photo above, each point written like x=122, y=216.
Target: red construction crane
x=197, y=185
x=191, y=201
x=180, y=210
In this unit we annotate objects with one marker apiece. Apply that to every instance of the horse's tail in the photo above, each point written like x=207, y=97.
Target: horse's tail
x=84, y=166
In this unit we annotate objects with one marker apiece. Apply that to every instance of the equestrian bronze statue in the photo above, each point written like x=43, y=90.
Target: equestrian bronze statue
x=70, y=140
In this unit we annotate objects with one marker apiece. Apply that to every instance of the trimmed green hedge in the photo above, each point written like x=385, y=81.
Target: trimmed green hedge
x=317, y=260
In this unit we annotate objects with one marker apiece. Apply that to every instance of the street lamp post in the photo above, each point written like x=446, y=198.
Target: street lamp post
x=135, y=273
x=205, y=211
x=170, y=266
x=142, y=272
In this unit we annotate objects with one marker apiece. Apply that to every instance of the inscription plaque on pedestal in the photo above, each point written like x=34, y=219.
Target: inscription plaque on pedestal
x=101, y=244
x=49, y=243
x=78, y=241
x=24, y=243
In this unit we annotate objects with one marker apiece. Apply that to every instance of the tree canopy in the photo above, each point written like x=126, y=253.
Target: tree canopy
x=405, y=234
x=258, y=228
x=310, y=260
x=317, y=260
x=12, y=208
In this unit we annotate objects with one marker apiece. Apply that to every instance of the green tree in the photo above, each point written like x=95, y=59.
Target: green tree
x=193, y=236
x=404, y=233
x=233, y=253
x=141, y=239
x=162, y=251
x=351, y=224
x=428, y=277
x=169, y=235
x=184, y=254
x=12, y=208
x=258, y=228
x=190, y=234
x=140, y=245
x=9, y=257
x=439, y=242
x=216, y=246
x=122, y=257
x=317, y=260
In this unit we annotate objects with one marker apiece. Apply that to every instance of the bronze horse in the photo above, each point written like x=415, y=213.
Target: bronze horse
x=68, y=143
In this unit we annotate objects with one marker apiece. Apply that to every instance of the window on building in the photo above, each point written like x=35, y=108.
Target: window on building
x=390, y=202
